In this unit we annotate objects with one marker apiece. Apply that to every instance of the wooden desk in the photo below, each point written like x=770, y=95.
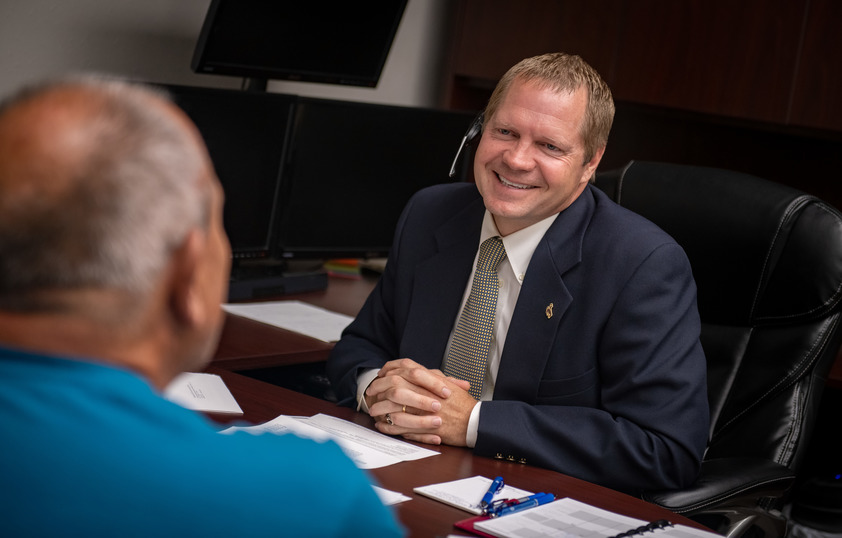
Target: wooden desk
x=425, y=517
x=247, y=344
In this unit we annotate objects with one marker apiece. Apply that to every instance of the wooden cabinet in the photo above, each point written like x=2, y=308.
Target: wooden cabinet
x=773, y=61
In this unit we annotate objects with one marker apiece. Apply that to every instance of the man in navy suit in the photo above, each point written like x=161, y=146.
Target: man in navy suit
x=595, y=367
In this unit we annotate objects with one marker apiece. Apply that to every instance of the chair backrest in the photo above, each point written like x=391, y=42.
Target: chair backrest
x=767, y=260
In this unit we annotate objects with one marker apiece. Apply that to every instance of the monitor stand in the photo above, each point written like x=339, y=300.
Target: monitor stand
x=262, y=279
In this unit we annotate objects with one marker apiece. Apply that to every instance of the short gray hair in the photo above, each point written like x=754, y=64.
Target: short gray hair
x=135, y=196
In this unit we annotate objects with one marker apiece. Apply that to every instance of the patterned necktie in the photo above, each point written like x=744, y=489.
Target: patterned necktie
x=468, y=355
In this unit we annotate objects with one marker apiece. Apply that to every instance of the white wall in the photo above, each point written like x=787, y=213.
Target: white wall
x=154, y=40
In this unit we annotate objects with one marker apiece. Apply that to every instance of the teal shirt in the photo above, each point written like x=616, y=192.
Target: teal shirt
x=90, y=450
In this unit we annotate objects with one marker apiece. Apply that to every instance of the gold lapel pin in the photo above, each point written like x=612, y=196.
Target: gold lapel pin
x=549, y=310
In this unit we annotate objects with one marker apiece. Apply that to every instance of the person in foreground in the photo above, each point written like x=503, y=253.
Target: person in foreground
x=113, y=266
x=593, y=366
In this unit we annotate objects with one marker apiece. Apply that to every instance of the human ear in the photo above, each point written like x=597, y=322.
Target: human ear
x=186, y=297
x=589, y=172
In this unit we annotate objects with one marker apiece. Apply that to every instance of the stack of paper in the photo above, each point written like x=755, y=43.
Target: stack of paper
x=367, y=448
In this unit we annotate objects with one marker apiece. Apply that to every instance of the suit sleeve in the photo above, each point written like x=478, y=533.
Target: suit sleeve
x=645, y=422
x=370, y=341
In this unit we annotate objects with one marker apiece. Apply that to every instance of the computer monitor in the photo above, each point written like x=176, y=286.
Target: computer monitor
x=335, y=42
x=351, y=168
x=246, y=133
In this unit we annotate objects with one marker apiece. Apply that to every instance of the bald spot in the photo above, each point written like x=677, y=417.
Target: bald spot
x=47, y=141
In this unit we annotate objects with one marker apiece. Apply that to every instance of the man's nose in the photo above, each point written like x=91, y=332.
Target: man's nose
x=519, y=156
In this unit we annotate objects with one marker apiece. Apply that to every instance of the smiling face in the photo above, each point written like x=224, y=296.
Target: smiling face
x=530, y=162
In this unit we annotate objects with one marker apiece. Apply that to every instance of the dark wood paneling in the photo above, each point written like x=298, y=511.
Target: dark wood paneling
x=775, y=61
x=818, y=82
x=496, y=34
x=493, y=35
x=719, y=57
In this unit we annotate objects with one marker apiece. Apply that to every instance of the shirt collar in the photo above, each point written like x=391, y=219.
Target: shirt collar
x=519, y=245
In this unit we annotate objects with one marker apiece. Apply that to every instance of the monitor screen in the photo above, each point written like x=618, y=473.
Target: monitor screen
x=337, y=42
x=352, y=167
x=245, y=133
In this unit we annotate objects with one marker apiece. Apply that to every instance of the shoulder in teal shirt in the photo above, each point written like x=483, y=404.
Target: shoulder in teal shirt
x=90, y=450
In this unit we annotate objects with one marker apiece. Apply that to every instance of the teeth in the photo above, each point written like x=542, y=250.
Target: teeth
x=508, y=183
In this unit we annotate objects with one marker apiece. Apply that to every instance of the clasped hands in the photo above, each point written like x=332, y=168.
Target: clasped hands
x=420, y=404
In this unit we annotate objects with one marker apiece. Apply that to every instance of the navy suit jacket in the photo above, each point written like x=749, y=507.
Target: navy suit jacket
x=610, y=388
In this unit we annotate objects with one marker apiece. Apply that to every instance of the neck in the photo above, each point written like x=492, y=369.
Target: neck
x=104, y=329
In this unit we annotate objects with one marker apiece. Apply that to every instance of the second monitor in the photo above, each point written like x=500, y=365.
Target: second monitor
x=350, y=169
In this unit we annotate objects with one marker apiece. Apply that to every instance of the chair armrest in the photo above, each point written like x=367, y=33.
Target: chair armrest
x=727, y=481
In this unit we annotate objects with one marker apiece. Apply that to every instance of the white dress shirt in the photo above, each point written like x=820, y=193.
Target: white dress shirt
x=519, y=246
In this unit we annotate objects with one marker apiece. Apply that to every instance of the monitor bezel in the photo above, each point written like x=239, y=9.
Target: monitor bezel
x=202, y=63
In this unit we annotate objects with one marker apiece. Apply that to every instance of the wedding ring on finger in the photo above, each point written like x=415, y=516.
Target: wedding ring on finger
x=403, y=410
x=389, y=419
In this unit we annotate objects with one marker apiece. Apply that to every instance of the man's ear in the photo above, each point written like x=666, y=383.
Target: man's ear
x=186, y=298
x=590, y=166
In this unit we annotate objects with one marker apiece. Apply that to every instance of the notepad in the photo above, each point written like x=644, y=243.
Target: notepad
x=569, y=518
x=466, y=493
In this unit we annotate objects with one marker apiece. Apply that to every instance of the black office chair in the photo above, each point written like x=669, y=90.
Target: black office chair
x=767, y=260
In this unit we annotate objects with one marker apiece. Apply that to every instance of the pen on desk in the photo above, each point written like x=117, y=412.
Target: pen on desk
x=524, y=504
x=496, y=485
x=496, y=506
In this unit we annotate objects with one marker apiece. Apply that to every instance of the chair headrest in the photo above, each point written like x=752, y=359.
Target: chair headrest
x=774, y=250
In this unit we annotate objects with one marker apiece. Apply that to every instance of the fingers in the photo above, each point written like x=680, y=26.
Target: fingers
x=405, y=382
x=429, y=438
x=461, y=383
x=432, y=381
x=389, y=395
x=400, y=422
x=412, y=401
x=420, y=428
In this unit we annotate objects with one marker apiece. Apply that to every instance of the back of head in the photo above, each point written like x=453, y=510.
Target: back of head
x=564, y=73
x=99, y=182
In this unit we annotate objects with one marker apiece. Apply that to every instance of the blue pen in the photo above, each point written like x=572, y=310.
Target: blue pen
x=524, y=504
x=494, y=508
x=496, y=485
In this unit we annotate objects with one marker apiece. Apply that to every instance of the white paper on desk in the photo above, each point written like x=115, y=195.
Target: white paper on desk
x=202, y=392
x=281, y=425
x=367, y=448
x=361, y=456
x=388, y=497
x=466, y=493
x=360, y=435
x=295, y=316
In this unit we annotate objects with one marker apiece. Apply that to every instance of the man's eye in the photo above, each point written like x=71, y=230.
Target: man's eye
x=505, y=132
x=552, y=148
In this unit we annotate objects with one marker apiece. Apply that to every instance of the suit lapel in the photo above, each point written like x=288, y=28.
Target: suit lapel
x=542, y=303
x=438, y=287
